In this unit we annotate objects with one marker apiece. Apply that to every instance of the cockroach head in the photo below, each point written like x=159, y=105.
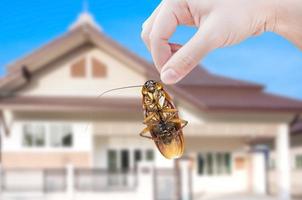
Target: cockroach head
x=152, y=85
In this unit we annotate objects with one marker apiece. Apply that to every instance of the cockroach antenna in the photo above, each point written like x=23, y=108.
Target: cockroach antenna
x=114, y=89
x=119, y=88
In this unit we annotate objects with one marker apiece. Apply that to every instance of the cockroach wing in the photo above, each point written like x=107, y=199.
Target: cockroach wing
x=174, y=149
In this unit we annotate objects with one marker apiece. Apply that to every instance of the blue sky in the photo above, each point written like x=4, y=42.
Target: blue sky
x=267, y=59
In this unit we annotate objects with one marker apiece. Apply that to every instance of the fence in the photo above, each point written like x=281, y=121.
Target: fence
x=75, y=184
x=102, y=179
x=55, y=180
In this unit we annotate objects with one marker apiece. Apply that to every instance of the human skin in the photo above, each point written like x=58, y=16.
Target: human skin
x=219, y=23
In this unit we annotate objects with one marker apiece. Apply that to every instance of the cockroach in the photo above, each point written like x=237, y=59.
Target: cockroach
x=163, y=124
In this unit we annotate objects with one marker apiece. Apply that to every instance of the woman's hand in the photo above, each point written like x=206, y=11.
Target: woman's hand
x=220, y=23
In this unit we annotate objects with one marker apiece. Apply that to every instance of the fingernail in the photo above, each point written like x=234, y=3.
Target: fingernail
x=169, y=76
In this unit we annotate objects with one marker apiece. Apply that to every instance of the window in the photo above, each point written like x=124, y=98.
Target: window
x=227, y=163
x=125, y=162
x=200, y=163
x=149, y=155
x=99, y=69
x=78, y=69
x=112, y=160
x=219, y=161
x=137, y=157
x=33, y=135
x=61, y=136
x=214, y=163
x=209, y=163
x=299, y=161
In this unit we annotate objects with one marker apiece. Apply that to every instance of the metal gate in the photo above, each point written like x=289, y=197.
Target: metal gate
x=167, y=184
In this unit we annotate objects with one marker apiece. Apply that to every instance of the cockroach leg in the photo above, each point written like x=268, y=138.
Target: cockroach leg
x=143, y=134
x=146, y=120
x=144, y=131
x=185, y=123
x=180, y=121
x=173, y=110
x=167, y=96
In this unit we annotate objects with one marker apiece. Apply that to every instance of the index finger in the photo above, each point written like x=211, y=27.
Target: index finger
x=163, y=28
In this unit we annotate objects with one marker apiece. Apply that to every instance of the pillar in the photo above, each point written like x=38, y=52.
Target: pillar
x=185, y=177
x=259, y=170
x=70, y=181
x=283, y=162
x=145, y=181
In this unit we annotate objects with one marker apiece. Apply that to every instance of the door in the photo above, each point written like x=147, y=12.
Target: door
x=118, y=167
x=118, y=160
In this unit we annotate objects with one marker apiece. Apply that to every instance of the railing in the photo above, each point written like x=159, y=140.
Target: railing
x=33, y=180
x=22, y=180
x=102, y=179
x=167, y=184
x=146, y=182
x=55, y=180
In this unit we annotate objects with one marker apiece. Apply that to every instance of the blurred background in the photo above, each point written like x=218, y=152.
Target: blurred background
x=59, y=141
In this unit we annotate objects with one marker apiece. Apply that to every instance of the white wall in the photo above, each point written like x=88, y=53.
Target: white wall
x=82, y=140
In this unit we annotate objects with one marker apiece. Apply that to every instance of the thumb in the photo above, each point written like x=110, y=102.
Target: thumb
x=188, y=56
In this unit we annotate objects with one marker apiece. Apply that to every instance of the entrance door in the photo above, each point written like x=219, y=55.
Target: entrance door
x=118, y=161
x=118, y=167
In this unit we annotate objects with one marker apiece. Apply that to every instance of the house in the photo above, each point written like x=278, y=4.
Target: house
x=62, y=142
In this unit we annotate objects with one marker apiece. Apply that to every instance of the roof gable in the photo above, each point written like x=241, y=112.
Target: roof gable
x=82, y=35
x=190, y=89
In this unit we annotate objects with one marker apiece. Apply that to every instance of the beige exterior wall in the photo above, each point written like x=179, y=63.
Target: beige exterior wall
x=36, y=160
x=56, y=79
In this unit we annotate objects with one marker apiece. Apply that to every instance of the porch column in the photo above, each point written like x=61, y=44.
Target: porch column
x=185, y=177
x=283, y=162
x=145, y=182
x=69, y=181
x=259, y=170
